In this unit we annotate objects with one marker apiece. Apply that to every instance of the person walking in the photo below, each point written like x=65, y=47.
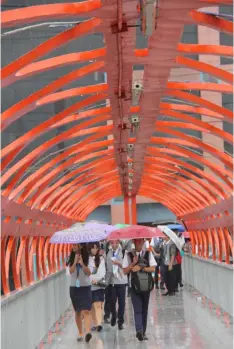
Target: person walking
x=99, y=272
x=140, y=264
x=117, y=283
x=80, y=268
x=178, y=271
x=107, y=312
x=170, y=262
x=157, y=251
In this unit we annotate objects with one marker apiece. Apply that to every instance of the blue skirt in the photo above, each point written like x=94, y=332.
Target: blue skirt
x=81, y=298
x=98, y=295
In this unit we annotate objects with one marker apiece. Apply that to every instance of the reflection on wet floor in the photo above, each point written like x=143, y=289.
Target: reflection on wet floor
x=179, y=322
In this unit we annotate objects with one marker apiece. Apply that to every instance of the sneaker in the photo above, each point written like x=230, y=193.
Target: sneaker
x=166, y=294
x=80, y=339
x=140, y=336
x=145, y=337
x=162, y=287
x=120, y=327
x=88, y=337
x=93, y=328
x=181, y=285
x=156, y=286
x=113, y=321
x=106, y=321
x=99, y=328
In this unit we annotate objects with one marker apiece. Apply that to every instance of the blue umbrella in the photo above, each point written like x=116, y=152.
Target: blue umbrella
x=178, y=227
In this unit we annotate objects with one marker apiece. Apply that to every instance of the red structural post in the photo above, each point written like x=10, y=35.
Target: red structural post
x=134, y=210
x=126, y=210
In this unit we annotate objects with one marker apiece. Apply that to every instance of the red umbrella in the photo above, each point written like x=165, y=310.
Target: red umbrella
x=136, y=232
x=186, y=235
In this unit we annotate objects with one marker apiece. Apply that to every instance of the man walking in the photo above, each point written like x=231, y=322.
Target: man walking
x=117, y=283
x=170, y=262
x=140, y=264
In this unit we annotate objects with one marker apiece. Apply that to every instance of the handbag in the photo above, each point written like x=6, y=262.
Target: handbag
x=102, y=283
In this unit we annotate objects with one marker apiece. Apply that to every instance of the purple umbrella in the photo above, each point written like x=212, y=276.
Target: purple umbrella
x=89, y=232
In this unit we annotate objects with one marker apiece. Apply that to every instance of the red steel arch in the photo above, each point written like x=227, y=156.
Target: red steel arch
x=168, y=161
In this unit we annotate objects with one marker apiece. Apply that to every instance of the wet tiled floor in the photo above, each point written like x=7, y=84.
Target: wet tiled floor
x=179, y=322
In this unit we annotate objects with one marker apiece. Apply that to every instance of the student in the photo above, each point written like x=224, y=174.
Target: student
x=104, y=251
x=99, y=272
x=134, y=262
x=80, y=288
x=117, y=283
x=170, y=263
x=158, y=255
x=178, y=271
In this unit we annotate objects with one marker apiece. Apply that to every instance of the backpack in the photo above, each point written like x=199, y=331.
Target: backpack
x=141, y=281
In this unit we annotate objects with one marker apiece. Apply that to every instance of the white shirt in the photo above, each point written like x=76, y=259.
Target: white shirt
x=83, y=279
x=101, y=271
x=127, y=262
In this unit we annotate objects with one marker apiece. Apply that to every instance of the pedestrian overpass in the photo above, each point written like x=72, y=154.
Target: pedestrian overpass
x=153, y=126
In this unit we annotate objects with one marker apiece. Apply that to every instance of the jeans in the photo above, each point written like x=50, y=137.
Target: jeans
x=158, y=267
x=140, y=304
x=117, y=292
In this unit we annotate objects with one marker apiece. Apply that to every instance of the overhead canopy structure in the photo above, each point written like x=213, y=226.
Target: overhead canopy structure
x=135, y=133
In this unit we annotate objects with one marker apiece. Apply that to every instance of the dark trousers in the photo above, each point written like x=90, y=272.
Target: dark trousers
x=106, y=305
x=162, y=272
x=178, y=275
x=170, y=279
x=117, y=292
x=140, y=304
x=129, y=288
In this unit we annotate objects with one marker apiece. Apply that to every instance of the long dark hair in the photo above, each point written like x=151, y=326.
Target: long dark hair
x=97, y=258
x=71, y=258
x=84, y=254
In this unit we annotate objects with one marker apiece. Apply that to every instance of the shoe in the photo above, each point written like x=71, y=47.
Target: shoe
x=113, y=321
x=162, y=287
x=88, y=337
x=156, y=286
x=172, y=294
x=80, y=339
x=181, y=285
x=93, y=328
x=120, y=327
x=106, y=321
x=145, y=337
x=140, y=336
x=99, y=328
x=166, y=294
x=176, y=290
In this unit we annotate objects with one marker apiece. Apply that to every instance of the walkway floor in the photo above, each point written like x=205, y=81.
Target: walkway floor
x=179, y=322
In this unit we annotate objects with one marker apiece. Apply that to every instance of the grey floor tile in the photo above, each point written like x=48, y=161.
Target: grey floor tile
x=178, y=322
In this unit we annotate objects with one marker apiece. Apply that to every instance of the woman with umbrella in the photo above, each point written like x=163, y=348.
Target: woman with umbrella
x=99, y=272
x=80, y=288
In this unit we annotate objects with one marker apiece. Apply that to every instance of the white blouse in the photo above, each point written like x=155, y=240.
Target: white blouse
x=99, y=274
